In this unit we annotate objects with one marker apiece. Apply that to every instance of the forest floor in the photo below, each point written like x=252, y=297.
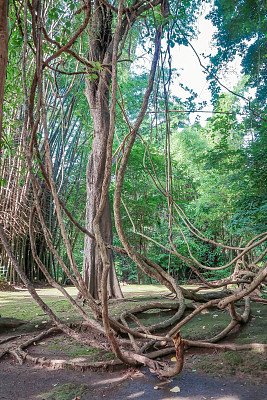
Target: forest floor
x=206, y=375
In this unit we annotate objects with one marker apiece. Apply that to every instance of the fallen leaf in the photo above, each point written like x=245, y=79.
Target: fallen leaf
x=36, y=326
x=42, y=343
x=175, y=389
x=173, y=359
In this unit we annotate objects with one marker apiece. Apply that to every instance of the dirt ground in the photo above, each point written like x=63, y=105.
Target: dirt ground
x=28, y=382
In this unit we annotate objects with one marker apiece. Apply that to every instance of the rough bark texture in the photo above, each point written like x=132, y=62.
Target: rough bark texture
x=92, y=264
x=3, y=56
x=97, y=93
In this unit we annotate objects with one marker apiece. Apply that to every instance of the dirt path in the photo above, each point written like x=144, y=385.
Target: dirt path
x=29, y=382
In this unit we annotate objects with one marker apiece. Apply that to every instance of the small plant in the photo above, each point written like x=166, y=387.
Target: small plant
x=69, y=391
x=233, y=359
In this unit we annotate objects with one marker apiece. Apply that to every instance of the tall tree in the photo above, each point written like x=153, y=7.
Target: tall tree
x=103, y=56
x=97, y=93
x=3, y=56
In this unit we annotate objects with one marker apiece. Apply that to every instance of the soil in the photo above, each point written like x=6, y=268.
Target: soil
x=28, y=382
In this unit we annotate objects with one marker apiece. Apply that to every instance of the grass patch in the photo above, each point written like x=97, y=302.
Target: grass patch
x=136, y=291
x=204, y=326
x=20, y=304
x=68, y=391
x=255, y=330
x=70, y=347
x=250, y=366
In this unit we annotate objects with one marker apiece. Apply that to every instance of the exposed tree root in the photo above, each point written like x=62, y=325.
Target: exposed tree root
x=39, y=337
x=17, y=350
x=226, y=347
x=207, y=345
x=61, y=363
x=3, y=353
x=8, y=339
x=141, y=347
x=160, y=368
x=258, y=299
x=179, y=349
x=20, y=355
x=150, y=306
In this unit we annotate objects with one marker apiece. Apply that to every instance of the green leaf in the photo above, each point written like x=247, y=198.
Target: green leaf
x=97, y=66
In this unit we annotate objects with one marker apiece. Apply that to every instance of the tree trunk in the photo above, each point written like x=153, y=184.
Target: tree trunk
x=97, y=93
x=3, y=56
x=92, y=264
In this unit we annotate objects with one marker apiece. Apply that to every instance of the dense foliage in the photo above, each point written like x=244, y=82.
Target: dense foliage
x=218, y=171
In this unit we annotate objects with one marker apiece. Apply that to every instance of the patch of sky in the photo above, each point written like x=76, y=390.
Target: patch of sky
x=187, y=71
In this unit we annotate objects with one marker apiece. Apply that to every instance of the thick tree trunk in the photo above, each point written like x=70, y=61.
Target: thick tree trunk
x=97, y=93
x=92, y=264
x=3, y=56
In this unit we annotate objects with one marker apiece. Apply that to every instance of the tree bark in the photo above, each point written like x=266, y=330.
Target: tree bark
x=3, y=56
x=92, y=263
x=97, y=93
